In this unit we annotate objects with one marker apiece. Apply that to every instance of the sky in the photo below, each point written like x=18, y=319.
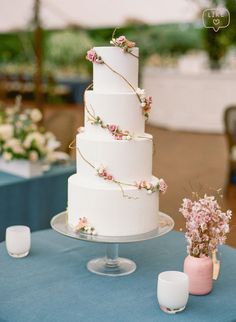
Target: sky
x=15, y=14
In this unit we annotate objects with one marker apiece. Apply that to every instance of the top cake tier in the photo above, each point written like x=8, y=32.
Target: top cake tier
x=106, y=80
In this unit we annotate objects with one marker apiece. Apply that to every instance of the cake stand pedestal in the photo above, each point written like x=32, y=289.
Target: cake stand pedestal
x=111, y=264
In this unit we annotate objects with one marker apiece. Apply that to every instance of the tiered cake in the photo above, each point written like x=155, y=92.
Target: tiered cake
x=113, y=190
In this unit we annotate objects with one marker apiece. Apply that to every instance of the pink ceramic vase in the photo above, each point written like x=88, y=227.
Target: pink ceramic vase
x=199, y=271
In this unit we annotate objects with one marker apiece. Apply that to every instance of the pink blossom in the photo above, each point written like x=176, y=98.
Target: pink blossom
x=149, y=100
x=91, y=55
x=206, y=225
x=120, y=40
x=82, y=223
x=187, y=203
x=112, y=128
x=162, y=186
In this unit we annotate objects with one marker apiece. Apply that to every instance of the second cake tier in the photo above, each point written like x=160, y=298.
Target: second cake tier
x=127, y=161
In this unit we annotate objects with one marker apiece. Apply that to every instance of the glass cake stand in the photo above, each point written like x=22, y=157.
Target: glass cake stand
x=111, y=264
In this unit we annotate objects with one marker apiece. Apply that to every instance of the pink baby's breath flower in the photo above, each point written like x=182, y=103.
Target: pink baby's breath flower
x=187, y=203
x=162, y=186
x=206, y=225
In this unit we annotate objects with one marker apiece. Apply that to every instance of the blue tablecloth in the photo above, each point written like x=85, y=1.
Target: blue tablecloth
x=52, y=284
x=34, y=201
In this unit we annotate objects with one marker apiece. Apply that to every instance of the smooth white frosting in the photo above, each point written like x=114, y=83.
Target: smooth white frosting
x=108, y=211
x=105, y=80
x=127, y=161
x=120, y=109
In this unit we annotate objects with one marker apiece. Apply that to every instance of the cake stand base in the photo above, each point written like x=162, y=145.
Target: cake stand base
x=111, y=264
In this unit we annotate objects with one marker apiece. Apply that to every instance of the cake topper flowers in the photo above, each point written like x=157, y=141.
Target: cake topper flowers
x=206, y=224
x=123, y=43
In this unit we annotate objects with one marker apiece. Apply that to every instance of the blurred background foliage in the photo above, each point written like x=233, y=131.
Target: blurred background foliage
x=64, y=50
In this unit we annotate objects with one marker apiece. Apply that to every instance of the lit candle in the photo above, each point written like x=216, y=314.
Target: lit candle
x=18, y=241
x=172, y=291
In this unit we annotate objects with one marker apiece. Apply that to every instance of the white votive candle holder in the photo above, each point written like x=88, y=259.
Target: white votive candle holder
x=18, y=241
x=172, y=291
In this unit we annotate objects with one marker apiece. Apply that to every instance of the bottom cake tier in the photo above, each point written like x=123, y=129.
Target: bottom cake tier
x=111, y=213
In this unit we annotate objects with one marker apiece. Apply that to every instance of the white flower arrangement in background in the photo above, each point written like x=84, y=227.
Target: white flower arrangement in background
x=21, y=137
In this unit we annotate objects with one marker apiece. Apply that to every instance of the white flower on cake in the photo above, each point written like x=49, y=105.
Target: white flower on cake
x=141, y=92
x=145, y=101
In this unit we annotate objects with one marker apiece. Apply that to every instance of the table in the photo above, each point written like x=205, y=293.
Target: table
x=52, y=284
x=33, y=201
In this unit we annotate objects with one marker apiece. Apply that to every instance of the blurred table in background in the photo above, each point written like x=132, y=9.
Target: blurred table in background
x=33, y=202
x=68, y=89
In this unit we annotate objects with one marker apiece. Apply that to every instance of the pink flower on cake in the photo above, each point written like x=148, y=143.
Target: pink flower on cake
x=162, y=186
x=120, y=40
x=93, y=57
x=85, y=227
x=82, y=223
x=145, y=185
x=112, y=128
x=123, y=43
x=149, y=100
x=102, y=172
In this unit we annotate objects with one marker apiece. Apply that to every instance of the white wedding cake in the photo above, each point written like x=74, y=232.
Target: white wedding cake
x=113, y=192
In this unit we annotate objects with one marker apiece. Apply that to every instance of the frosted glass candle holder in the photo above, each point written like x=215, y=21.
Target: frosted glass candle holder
x=172, y=291
x=18, y=241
